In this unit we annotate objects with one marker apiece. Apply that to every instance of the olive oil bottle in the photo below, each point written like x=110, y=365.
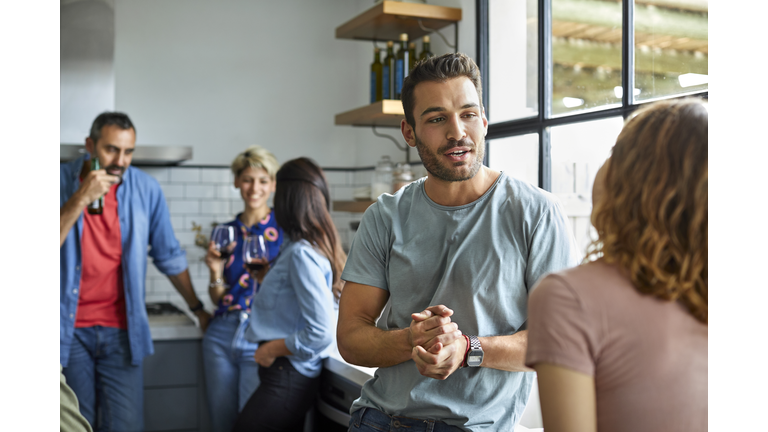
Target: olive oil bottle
x=411, y=56
x=377, y=70
x=425, y=49
x=388, y=73
x=401, y=67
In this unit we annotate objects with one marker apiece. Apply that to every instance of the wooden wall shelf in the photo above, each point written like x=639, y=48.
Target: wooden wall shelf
x=386, y=20
x=352, y=206
x=383, y=113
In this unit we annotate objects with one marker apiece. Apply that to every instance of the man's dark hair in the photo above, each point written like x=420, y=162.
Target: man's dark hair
x=438, y=69
x=110, y=118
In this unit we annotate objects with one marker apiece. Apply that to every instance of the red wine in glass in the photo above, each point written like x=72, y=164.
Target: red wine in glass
x=255, y=266
x=223, y=237
x=255, y=254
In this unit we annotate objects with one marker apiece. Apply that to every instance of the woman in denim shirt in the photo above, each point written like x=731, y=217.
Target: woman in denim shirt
x=293, y=316
x=231, y=374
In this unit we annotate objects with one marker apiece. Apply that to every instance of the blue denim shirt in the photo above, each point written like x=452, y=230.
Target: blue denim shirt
x=295, y=303
x=144, y=222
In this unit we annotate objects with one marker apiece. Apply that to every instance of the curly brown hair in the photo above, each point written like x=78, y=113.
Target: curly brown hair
x=651, y=218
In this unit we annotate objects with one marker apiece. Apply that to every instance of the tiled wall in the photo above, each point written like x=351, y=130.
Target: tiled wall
x=207, y=195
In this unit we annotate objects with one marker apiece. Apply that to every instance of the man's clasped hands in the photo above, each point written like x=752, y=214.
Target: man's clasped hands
x=438, y=345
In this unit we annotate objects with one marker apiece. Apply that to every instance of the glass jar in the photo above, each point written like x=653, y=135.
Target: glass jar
x=402, y=176
x=381, y=182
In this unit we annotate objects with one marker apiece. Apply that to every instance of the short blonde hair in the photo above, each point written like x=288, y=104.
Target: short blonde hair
x=255, y=157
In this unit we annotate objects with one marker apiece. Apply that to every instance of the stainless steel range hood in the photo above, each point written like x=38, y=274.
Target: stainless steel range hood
x=144, y=155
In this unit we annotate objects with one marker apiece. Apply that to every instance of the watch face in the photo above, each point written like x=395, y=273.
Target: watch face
x=475, y=358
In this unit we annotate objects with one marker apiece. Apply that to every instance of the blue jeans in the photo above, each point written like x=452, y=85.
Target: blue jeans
x=109, y=388
x=231, y=373
x=371, y=420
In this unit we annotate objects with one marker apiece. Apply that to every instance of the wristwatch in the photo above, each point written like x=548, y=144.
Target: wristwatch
x=475, y=354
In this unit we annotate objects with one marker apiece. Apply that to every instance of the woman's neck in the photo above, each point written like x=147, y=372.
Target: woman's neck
x=251, y=217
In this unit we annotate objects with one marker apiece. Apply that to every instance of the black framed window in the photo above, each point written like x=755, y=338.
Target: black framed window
x=560, y=77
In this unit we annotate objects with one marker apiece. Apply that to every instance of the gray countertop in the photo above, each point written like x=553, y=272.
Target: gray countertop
x=173, y=327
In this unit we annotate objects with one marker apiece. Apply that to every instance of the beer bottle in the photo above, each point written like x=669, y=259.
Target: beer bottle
x=425, y=50
x=411, y=56
x=376, y=76
x=388, y=73
x=96, y=207
x=401, y=66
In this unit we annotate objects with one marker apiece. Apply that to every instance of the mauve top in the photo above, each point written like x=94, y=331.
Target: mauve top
x=648, y=356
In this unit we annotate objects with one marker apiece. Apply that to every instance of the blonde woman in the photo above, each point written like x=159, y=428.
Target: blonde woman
x=620, y=343
x=231, y=374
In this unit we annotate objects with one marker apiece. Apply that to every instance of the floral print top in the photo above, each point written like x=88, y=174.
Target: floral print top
x=241, y=287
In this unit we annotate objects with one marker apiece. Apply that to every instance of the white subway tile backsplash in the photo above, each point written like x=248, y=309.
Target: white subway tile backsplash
x=227, y=191
x=185, y=175
x=160, y=174
x=172, y=190
x=342, y=193
x=177, y=222
x=206, y=195
x=362, y=178
x=215, y=207
x=162, y=285
x=336, y=177
x=204, y=221
x=182, y=207
x=186, y=238
x=199, y=191
x=216, y=175
x=236, y=206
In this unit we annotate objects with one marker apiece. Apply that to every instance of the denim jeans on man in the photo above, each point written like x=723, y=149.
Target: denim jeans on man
x=115, y=400
x=370, y=420
x=231, y=373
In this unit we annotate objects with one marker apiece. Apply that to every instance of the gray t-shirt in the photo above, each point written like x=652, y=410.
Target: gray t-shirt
x=479, y=259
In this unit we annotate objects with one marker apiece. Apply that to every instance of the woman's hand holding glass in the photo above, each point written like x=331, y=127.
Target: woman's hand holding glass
x=220, y=248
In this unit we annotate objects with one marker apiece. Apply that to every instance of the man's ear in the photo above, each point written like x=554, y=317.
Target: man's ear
x=90, y=146
x=408, y=133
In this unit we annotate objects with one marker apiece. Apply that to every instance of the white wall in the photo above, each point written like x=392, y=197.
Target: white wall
x=221, y=75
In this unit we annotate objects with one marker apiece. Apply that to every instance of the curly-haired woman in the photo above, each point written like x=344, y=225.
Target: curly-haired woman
x=620, y=343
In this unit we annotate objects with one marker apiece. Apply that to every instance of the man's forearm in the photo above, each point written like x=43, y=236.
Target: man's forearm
x=183, y=285
x=68, y=215
x=506, y=352
x=366, y=345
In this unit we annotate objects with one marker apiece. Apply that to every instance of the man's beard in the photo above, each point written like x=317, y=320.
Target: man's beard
x=115, y=167
x=432, y=163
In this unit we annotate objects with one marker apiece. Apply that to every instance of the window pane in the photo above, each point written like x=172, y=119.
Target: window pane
x=578, y=151
x=671, y=47
x=513, y=66
x=518, y=156
x=586, y=54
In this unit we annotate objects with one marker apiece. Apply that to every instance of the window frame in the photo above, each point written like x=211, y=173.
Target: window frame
x=542, y=122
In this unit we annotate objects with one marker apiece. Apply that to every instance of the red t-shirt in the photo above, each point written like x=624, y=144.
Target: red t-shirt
x=102, y=297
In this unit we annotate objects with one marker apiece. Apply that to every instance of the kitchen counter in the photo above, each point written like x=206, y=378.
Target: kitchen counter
x=174, y=326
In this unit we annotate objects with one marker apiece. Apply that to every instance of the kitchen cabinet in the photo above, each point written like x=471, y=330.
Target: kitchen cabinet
x=174, y=386
x=174, y=389
x=386, y=21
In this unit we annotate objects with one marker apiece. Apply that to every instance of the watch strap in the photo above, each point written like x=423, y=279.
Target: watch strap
x=197, y=307
x=466, y=352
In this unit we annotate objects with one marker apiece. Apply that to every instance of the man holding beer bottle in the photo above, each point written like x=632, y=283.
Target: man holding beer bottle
x=104, y=332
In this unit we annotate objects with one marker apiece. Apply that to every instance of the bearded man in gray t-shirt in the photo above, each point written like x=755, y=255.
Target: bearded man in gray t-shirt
x=455, y=255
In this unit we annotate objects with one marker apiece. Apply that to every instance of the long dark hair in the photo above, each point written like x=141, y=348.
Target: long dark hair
x=302, y=209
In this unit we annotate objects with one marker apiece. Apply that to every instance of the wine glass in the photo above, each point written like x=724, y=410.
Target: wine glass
x=223, y=237
x=255, y=254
